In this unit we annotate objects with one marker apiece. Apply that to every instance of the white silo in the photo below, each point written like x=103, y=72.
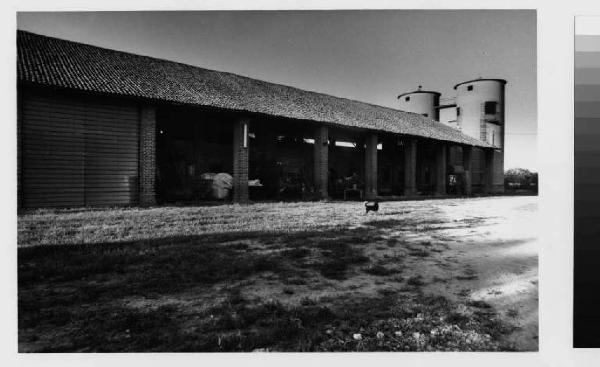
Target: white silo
x=480, y=109
x=422, y=102
x=480, y=114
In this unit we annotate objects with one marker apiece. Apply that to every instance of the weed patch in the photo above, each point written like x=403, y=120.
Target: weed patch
x=419, y=253
x=338, y=257
x=296, y=253
x=380, y=270
x=416, y=280
x=469, y=274
x=479, y=304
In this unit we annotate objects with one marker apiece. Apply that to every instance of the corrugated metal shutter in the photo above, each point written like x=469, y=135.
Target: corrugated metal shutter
x=76, y=152
x=52, y=153
x=111, y=155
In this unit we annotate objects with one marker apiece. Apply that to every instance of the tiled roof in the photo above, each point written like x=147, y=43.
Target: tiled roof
x=55, y=62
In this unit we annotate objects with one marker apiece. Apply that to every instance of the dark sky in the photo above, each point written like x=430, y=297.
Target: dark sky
x=370, y=56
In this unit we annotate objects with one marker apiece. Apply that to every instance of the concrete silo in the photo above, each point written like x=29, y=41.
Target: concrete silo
x=422, y=102
x=480, y=114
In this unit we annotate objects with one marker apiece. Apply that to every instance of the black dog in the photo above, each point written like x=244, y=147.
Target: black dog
x=371, y=206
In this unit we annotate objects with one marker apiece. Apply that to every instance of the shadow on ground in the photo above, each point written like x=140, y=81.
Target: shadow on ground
x=190, y=293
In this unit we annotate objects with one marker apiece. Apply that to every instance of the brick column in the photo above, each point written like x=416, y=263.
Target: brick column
x=467, y=155
x=241, y=148
x=371, y=167
x=488, y=175
x=498, y=174
x=19, y=150
x=440, y=169
x=410, y=168
x=321, y=161
x=147, y=153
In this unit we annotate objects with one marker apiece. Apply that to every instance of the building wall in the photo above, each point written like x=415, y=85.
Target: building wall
x=76, y=151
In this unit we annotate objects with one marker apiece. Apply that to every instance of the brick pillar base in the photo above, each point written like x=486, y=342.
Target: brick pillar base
x=321, y=162
x=147, y=156
x=440, y=169
x=241, y=147
x=371, y=167
x=467, y=155
x=410, y=168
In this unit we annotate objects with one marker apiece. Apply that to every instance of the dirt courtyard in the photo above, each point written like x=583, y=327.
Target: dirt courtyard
x=448, y=274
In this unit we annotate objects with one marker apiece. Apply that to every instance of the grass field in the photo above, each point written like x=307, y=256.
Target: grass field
x=455, y=274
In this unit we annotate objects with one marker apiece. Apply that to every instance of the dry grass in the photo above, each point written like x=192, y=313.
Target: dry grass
x=77, y=226
x=281, y=277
